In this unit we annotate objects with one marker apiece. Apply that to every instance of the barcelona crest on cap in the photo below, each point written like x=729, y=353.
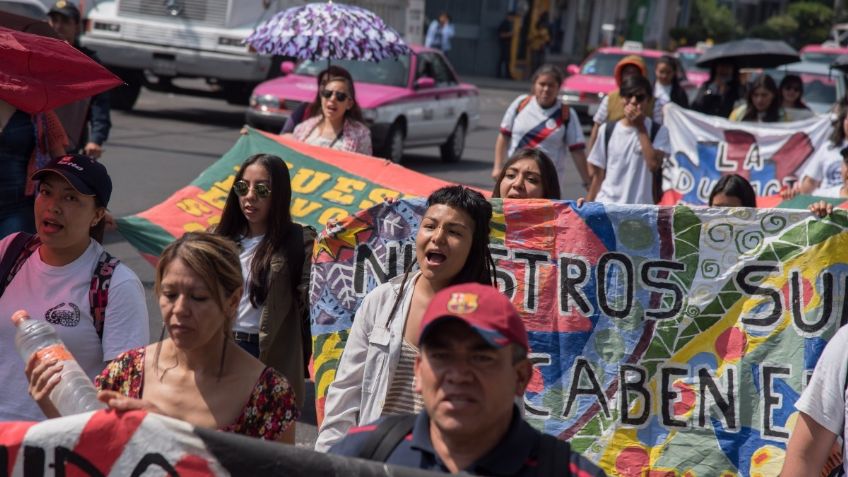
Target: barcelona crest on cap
x=462, y=303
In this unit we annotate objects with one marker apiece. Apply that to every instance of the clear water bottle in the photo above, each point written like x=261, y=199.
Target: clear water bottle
x=74, y=393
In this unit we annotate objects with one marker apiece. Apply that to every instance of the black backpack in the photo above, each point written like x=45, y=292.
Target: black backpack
x=553, y=453
x=24, y=245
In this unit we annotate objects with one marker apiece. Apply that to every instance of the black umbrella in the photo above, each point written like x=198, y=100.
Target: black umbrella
x=750, y=53
x=841, y=63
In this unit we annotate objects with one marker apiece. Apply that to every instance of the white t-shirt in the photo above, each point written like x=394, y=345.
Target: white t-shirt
x=601, y=115
x=628, y=179
x=662, y=92
x=824, y=397
x=826, y=166
x=247, y=320
x=59, y=295
x=833, y=191
x=542, y=129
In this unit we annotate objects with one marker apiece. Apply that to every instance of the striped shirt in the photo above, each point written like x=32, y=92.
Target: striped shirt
x=402, y=398
x=542, y=129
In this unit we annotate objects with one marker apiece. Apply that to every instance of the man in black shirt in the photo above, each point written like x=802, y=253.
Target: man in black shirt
x=471, y=368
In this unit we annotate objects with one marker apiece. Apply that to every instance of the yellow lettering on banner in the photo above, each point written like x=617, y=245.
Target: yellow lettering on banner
x=332, y=213
x=341, y=192
x=289, y=165
x=215, y=197
x=301, y=207
x=194, y=227
x=376, y=196
x=307, y=181
x=193, y=207
x=214, y=220
x=226, y=184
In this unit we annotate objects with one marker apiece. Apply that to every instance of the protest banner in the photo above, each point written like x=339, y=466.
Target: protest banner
x=326, y=184
x=703, y=148
x=134, y=443
x=675, y=339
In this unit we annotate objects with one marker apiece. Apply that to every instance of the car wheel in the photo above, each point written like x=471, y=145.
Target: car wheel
x=452, y=148
x=123, y=97
x=393, y=149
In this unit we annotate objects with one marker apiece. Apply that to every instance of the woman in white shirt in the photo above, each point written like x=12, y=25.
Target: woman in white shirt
x=257, y=217
x=374, y=376
x=54, y=282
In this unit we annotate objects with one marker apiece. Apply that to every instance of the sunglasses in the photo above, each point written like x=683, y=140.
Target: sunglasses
x=327, y=94
x=242, y=188
x=639, y=97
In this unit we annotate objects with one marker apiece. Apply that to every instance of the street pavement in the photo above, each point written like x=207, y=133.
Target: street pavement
x=167, y=140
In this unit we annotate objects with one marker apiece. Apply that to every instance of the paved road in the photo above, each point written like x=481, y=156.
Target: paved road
x=168, y=140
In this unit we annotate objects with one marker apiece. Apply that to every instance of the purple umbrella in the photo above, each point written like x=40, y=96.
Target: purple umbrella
x=328, y=30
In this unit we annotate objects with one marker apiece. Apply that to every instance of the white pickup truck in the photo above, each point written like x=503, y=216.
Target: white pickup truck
x=149, y=43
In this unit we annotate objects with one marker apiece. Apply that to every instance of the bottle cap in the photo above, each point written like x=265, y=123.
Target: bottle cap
x=19, y=317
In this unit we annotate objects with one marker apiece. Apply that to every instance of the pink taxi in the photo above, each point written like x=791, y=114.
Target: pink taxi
x=589, y=82
x=688, y=56
x=415, y=100
x=825, y=53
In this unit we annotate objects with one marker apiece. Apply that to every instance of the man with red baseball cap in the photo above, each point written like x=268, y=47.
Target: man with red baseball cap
x=473, y=365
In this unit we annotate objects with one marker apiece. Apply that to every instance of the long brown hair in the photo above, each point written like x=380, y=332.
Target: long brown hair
x=279, y=223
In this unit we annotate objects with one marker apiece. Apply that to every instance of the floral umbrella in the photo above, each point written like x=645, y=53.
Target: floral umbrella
x=328, y=31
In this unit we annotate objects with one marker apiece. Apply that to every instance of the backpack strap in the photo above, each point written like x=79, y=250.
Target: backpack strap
x=608, y=135
x=18, y=251
x=98, y=292
x=524, y=102
x=389, y=433
x=554, y=457
x=657, y=177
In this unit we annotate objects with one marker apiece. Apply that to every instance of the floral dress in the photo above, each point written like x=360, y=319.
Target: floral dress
x=270, y=410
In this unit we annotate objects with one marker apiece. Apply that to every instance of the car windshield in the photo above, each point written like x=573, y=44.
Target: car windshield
x=819, y=57
x=688, y=60
x=603, y=64
x=386, y=72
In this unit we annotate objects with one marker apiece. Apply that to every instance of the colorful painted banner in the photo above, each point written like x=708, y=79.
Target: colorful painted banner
x=769, y=155
x=675, y=339
x=326, y=184
x=107, y=443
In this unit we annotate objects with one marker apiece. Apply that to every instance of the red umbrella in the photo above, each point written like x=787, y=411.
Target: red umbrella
x=40, y=73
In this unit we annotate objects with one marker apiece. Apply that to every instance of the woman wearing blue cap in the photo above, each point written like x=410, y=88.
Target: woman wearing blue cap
x=63, y=276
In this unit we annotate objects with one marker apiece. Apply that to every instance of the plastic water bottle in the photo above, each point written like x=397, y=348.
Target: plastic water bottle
x=74, y=393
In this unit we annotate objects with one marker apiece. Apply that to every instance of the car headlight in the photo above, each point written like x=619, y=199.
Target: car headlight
x=369, y=114
x=570, y=96
x=265, y=102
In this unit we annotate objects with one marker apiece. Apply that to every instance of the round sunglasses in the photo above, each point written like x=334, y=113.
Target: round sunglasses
x=340, y=96
x=242, y=188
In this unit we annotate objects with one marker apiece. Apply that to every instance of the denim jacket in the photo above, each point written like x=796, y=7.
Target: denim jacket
x=368, y=362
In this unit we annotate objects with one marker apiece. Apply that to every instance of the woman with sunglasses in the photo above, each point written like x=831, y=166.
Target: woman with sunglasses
x=256, y=216
x=336, y=119
x=791, y=94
